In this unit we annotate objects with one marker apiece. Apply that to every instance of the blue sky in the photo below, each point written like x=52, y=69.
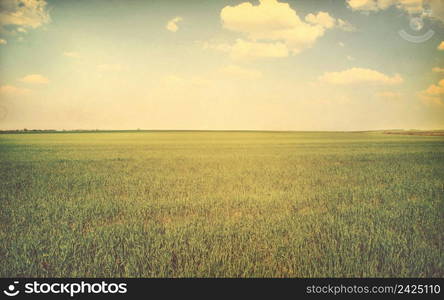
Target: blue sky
x=273, y=65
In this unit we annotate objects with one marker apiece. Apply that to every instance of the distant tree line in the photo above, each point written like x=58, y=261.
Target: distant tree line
x=25, y=130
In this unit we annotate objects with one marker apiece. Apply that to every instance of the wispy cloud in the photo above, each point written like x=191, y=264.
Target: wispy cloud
x=35, y=79
x=345, y=25
x=71, y=54
x=358, y=76
x=10, y=90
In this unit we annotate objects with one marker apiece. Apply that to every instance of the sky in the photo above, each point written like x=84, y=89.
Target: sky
x=222, y=65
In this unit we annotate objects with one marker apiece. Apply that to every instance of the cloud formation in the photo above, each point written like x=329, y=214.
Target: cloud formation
x=434, y=94
x=276, y=23
x=427, y=8
x=360, y=76
x=326, y=21
x=3, y=42
x=24, y=14
x=35, y=79
x=441, y=46
x=172, y=24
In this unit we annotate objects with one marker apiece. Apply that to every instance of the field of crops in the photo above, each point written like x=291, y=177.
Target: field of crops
x=221, y=204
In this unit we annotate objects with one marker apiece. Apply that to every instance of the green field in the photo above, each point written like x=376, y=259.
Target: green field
x=221, y=204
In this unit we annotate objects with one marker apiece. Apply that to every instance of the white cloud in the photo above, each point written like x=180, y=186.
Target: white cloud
x=322, y=18
x=278, y=24
x=441, y=46
x=35, y=79
x=350, y=58
x=410, y=6
x=341, y=44
x=10, y=90
x=172, y=24
x=344, y=25
x=359, y=75
x=434, y=94
x=438, y=70
x=3, y=42
x=326, y=21
x=24, y=13
x=364, y=5
x=71, y=54
x=426, y=8
x=239, y=72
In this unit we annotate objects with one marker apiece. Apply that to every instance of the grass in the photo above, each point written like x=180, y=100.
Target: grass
x=221, y=204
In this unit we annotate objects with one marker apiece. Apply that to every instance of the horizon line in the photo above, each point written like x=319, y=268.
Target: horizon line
x=25, y=130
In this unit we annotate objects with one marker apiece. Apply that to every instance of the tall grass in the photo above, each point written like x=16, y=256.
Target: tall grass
x=221, y=204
